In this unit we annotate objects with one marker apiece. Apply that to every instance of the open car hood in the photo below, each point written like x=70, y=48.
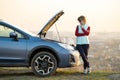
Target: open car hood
x=50, y=23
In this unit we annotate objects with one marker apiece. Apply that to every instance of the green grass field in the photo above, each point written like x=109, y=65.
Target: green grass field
x=61, y=74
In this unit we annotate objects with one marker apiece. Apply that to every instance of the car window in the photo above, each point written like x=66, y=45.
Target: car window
x=5, y=31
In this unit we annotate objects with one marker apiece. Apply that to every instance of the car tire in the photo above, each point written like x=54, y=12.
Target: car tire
x=44, y=64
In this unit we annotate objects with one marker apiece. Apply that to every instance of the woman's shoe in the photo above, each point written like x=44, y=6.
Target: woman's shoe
x=85, y=71
x=89, y=70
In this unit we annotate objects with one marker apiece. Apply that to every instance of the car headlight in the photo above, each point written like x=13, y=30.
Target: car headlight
x=66, y=46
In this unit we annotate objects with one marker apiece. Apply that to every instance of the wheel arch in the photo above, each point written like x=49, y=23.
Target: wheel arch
x=45, y=48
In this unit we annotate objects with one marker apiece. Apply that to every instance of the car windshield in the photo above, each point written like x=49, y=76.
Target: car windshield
x=26, y=31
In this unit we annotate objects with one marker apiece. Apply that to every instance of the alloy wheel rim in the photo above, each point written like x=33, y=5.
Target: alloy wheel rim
x=44, y=64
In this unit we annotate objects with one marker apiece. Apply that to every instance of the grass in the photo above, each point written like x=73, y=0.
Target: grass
x=61, y=74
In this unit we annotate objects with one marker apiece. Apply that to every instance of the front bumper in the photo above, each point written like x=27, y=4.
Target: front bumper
x=69, y=59
x=74, y=59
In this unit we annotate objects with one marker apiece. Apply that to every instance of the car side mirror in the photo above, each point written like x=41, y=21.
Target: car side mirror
x=14, y=35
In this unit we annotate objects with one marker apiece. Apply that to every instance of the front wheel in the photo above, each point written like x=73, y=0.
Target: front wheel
x=44, y=64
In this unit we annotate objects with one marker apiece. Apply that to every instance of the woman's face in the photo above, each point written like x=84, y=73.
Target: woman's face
x=82, y=22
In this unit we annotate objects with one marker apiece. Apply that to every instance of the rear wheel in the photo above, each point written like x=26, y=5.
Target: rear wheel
x=44, y=64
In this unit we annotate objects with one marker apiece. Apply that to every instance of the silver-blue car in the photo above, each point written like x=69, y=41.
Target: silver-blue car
x=19, y=48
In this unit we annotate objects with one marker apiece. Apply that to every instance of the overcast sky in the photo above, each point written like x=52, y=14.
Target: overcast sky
x=102, y=15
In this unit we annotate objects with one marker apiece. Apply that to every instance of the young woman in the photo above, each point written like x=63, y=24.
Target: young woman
x=82, y=33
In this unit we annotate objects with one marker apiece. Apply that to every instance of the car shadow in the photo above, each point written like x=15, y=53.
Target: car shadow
x=16, y=74
x=19, y=73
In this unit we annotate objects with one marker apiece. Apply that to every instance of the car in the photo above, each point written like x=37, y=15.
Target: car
x=20, y=48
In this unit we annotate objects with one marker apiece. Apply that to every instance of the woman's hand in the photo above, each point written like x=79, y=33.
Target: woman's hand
x=86, y=31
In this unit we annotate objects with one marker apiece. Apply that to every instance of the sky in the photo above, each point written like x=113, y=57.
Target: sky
x=102, y=15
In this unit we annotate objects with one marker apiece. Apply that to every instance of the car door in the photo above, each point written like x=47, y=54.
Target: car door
x=12, y=52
